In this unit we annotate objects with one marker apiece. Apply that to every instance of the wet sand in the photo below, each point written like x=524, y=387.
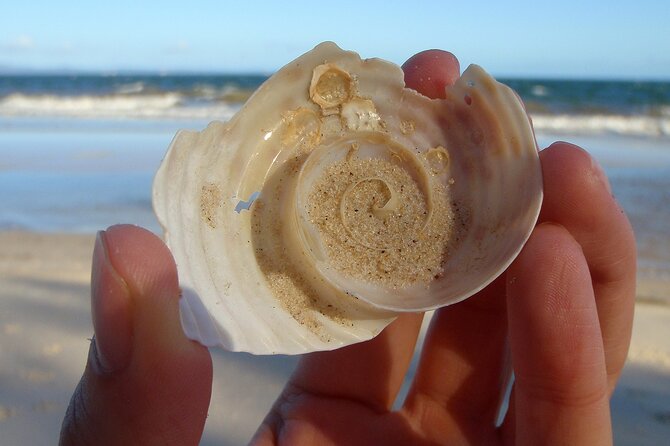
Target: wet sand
x=45, y=329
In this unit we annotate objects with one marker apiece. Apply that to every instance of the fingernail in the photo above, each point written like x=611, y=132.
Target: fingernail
x=110, y=311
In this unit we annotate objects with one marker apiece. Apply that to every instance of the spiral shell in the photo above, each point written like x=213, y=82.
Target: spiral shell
x=337, y=198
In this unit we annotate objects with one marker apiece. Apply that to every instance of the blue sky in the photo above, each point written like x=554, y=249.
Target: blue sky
x=571, y=38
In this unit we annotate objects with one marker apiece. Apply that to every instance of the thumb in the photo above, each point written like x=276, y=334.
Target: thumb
x=144, y=382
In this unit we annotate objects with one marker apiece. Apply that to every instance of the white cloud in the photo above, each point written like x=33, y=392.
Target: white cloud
x=19, y=43
x=179, y=47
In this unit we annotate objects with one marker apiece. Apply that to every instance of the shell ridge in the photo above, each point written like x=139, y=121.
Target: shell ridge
x=197, y=322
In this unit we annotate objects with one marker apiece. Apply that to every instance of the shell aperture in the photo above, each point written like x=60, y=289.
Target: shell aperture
x=370, y=199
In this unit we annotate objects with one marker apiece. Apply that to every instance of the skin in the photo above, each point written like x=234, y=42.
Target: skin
x=564, y=309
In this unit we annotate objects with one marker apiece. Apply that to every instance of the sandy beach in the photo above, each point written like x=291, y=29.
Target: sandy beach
x=61, y=179
x=88, y=109
x=45, y=329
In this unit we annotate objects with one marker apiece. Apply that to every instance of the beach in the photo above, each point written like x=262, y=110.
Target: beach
x=67, y=173
x=45, y=330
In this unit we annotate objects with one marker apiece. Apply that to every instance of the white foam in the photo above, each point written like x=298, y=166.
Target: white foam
x=169, y=105
x=131, y=88
x=539, y=90
x=637, y=125
x=175, y=105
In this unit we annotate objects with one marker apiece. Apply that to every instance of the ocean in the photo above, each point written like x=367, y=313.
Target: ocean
x=78, y=152
x=565, y=106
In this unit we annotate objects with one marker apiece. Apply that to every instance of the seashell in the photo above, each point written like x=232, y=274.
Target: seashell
x=337, y=198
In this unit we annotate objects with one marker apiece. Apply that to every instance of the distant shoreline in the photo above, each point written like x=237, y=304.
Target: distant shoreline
x=8, y=71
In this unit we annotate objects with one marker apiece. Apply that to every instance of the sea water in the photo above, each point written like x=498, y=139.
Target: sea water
x=78, y=152
x=640, y=108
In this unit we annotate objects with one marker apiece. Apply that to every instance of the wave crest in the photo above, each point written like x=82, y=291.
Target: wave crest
x=156, y=106
x=635, y=125
x=222, y=104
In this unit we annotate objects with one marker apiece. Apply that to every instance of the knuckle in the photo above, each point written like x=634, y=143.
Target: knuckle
x=562, y=393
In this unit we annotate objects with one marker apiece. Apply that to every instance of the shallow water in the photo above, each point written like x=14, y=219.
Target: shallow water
x=82, y=175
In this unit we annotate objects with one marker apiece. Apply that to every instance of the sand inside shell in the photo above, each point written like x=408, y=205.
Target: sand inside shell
x=398, y=248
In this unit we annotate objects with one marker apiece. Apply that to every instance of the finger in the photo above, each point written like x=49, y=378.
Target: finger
x=370, y=372
x=144, y=382
x=463, y=353
x=363, y=378
x=560, y=394
x=457, y=385
x=428, y=72
x=578, y=197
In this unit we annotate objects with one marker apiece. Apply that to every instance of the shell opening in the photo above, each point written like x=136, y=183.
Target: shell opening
x=331, y=86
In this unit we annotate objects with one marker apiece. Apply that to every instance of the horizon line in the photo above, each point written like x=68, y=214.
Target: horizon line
x=23, y=71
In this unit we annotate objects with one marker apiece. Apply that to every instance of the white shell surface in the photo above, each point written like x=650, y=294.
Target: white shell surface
x=261, y=280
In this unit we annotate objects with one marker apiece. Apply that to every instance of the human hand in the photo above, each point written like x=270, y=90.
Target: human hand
x=565, y=305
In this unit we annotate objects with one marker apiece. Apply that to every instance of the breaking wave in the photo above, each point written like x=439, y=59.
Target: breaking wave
x=155, y=106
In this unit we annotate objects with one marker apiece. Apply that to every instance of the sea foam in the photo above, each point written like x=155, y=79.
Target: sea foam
x=155, y=106
x=636, y=125
x=209, y=105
